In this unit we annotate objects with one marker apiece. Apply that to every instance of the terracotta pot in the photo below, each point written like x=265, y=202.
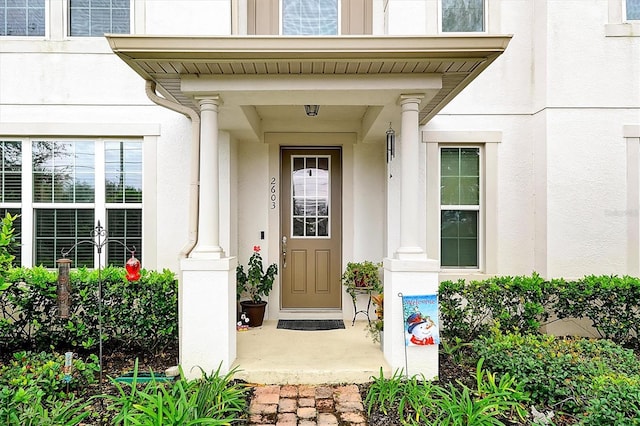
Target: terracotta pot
x=254, y=311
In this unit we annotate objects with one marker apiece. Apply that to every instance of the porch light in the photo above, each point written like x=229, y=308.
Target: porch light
x=311, y=110
x=391, y=144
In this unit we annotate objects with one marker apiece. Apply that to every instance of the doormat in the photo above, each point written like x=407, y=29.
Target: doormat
x=310, y=325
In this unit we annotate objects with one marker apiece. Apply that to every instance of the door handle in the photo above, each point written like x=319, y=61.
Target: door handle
x=284, y=252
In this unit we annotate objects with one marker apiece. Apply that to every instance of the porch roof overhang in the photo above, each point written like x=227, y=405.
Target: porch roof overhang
x=264, y=80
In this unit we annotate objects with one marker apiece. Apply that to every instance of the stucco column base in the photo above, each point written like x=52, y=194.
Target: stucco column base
x=207, y=315
x=411, y=278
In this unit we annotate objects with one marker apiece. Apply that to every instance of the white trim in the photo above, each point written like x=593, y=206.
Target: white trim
x=461, y=136
x=73, y=130
x=631, y=131
x=488, y=141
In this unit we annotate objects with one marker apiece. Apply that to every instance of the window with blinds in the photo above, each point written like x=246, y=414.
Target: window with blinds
x=309, y=17
x=66, y=202
x=94, y=18
x=22, y=17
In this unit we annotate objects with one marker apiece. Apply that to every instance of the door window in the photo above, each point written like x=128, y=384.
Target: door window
x=310, y=196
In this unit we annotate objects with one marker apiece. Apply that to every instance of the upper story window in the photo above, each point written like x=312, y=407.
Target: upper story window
x=22, y=17
x=94, y=18
x=632, y=8
x=309, y=17
x=462, y=16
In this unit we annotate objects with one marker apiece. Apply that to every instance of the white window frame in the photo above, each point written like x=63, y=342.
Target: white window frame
x=618, y=25
x=487, y=220
x=465, y=207
x=281, y=20
x=485, y=26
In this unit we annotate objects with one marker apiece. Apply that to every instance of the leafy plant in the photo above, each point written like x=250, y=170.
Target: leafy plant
x=44, y=371
x=29, y=407
x=557, y=372
x=363, y=276
x=255, y=281
x=211, y=400
x=615, y=401
x=419, y=401
x=375, y=327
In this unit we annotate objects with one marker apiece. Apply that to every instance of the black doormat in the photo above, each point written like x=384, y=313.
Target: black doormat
x=310, y=325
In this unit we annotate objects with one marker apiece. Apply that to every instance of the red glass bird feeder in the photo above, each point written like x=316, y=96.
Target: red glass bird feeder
x=133, y=269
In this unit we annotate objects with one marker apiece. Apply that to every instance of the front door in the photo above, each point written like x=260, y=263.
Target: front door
x=311, y=227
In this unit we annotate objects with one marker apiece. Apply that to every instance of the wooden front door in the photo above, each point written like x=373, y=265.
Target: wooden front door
x=311, y=228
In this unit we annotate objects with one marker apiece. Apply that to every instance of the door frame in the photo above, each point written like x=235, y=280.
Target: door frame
x=276, y=140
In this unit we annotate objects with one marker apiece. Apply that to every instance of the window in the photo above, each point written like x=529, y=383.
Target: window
x=75, y=183
x=459, y=207
x=309, y=17
x=94, y=18
x=632, y=8
x=310, y=183
x=22, y=17
x=463, y=15
x=123, y=185
x=11, y=190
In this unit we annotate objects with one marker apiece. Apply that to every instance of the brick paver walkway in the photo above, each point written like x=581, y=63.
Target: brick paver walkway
x=306, y=405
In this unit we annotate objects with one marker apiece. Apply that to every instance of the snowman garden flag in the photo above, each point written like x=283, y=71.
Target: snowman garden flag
x=420, y=320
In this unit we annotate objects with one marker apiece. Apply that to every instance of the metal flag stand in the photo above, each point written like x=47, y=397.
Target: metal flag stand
x=404, y=338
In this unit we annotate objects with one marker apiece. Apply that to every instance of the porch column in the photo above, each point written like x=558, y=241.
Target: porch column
x=409, y=186
x=208, y=246
x=207, y=302
x=409, y=272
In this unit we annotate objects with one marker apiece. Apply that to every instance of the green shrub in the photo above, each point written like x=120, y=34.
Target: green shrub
x=470, y=309
x=611, y=303
x=557, y=372
x=140, y=315
x=615, y=401
x=44, y=371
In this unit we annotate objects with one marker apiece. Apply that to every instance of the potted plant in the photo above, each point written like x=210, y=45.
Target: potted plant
x=362, y=277
x=257, y=283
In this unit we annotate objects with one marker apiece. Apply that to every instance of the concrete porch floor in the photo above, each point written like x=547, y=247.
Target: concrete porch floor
x=268, y=355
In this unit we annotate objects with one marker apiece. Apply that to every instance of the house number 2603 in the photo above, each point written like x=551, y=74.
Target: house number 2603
x=273, y=197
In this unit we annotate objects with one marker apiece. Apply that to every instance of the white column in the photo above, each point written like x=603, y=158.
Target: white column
x=410, y=180
x=208, y=246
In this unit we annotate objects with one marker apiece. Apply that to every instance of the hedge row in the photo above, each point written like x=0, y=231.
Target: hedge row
x=140, y=315
x=469, y=309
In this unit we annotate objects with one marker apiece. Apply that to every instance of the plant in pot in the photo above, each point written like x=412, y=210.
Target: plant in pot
x=362, y=277
x=256, y=283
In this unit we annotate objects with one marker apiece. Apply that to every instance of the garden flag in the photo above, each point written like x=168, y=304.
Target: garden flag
x=420, y=316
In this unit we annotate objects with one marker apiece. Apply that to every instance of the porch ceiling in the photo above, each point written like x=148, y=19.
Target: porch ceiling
x=355, y=79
